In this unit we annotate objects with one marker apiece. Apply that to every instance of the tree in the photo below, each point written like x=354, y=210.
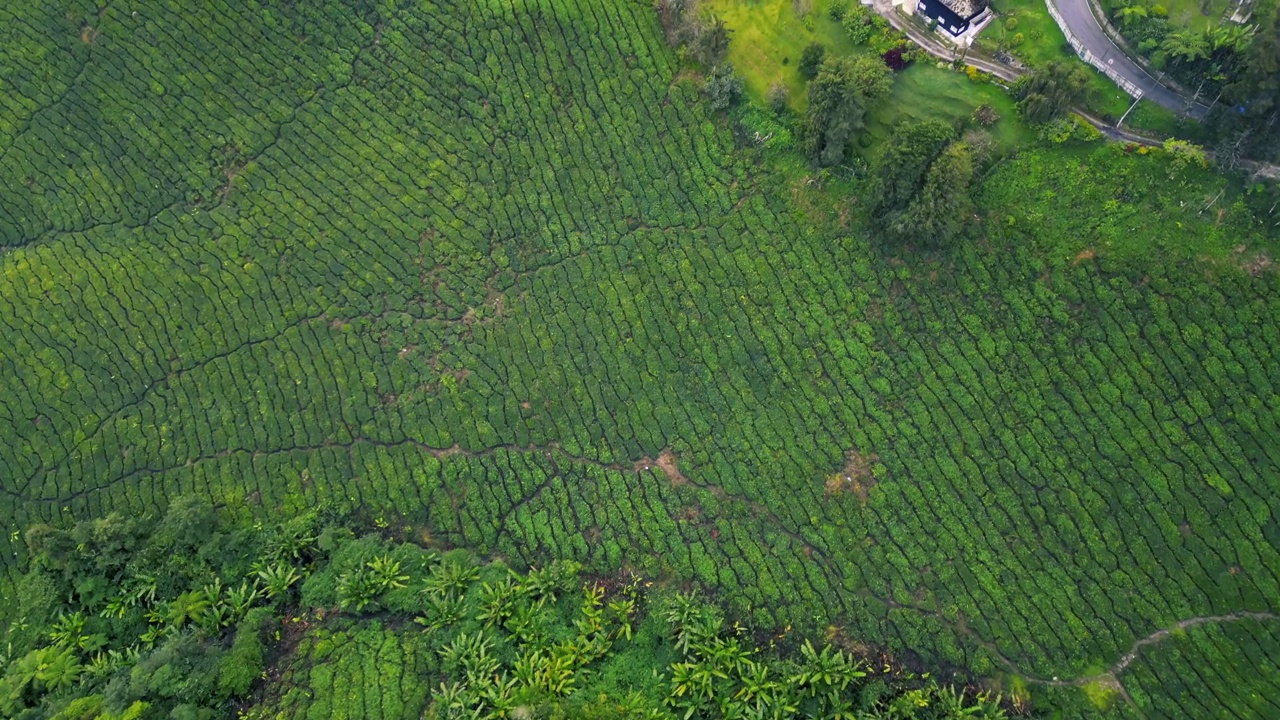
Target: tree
x=778, y=96
x=1130, y=13
x=911, y=149
x=838, y=97
x=811, y=60
x=722, y=87
x=1246, y=123
x=1182, y=155
x=1188, y=45
x=939, y=211
x=1050, y=91
x=709, y=41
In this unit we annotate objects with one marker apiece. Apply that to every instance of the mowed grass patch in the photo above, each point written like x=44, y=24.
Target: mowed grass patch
x=1042, y=39
x=768, y=38
x=924, y=91
x=1196, y=14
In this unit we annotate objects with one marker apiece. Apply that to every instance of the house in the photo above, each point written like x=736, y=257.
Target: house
x=955, y=18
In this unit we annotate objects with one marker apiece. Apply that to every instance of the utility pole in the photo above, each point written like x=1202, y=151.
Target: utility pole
x=1131, y=107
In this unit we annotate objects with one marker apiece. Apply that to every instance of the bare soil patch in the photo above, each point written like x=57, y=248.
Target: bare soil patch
x=855, y=477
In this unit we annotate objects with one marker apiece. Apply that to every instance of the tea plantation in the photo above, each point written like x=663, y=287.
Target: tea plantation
x=493, y=270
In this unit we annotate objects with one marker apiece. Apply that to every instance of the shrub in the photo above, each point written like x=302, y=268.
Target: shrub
x=1011, y=24
x=811, y=60
x=985, y=115
x=895, y=58
x=243, y=663
x=778, y=96
x=722, y=87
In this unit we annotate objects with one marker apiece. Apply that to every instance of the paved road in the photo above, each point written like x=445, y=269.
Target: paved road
x=1079, y=20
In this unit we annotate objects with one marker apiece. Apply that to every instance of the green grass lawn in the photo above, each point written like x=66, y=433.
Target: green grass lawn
x=768, y=37
x=926, y=91
x=1198, y=14
x=1042, y=39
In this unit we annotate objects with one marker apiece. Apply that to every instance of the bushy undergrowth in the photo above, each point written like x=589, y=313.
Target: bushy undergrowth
x=179, y=619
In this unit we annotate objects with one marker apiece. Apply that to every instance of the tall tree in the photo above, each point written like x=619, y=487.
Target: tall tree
x=1050, y=91
x=907, y=156
x=1247, y=124
x=938, y=213
x=838, y=97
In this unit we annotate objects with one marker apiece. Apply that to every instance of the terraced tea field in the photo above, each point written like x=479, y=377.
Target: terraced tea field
x=491, y=269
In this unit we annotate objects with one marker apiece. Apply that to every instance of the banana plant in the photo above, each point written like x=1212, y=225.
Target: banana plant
x=442, y=611
x=547, y=673
x=386, y=572
x=726, y=654
x=116, y=607
x=498, y=601
x=276, y=578
x=68, y=630
x=357, y=590
x=469, y=652
x=143, y=589
x=825, y=670
x=499, y=695
x=449, y=578
x=621, y=611
x=242, y=598
x=526, y=624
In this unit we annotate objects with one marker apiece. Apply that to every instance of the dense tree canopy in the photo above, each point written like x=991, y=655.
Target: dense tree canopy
x=838, y=98
x=938, y=212
x=1050, y=91
x=906, y=158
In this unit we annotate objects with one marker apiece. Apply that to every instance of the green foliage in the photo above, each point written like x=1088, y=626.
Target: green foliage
x=466, y=269
x=906, y=158
x=941, y=209
x=1051, y=91
x=838, y=99
x=862, y=23
x=722, y=88
x=240, y=667
x=811, y=60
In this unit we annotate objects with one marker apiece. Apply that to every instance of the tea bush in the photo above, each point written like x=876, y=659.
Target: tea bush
x=496, y=273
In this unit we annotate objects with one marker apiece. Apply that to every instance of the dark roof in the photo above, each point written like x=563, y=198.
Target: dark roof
x=952, y=20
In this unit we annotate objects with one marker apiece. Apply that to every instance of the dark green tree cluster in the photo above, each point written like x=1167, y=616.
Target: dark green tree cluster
x=1246, y=123
x=1206, y=59
x=1050, y=91
x=839, y=96
x=493, y=643
x=925, y=174
x=149, y=617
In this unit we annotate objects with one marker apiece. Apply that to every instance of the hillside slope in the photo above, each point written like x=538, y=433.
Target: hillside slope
x=491, y=268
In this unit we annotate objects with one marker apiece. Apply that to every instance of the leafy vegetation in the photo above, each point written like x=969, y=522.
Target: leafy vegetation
x=493, y=643
x=497, y=276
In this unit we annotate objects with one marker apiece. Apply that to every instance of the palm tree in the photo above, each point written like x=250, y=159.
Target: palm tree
x=60, y=669
x=189, y=606
x=1186, y=44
